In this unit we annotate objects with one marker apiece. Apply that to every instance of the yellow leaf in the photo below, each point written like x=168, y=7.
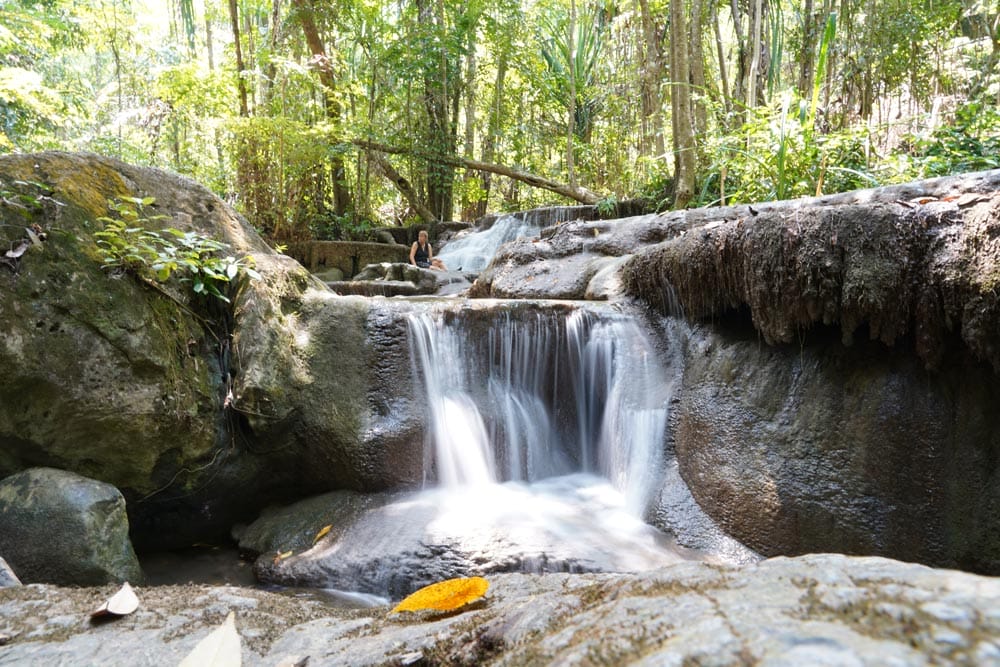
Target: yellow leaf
x=445, y=595
x=322, y=532
x=279, y=556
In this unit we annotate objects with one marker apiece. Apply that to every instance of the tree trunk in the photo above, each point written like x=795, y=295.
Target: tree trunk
x=493, y=133
x=440, y=176
x=756, y=40
x=468, y=202
x=723, y=70
x=574, y=192
x=808, y=53
x=652, y=76
x=404, y=187
x=571, y=107
x=680, y=104
x=696, y=65
x=321, y=62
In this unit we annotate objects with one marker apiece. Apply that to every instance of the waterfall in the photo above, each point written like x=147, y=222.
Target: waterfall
x=540, y=394
x=473, y=250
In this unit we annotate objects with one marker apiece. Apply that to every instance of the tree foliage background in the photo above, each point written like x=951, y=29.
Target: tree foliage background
x=272, y=103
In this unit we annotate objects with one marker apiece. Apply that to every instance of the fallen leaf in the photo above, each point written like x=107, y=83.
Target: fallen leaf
x=280, y=556
x=19, y=250
x=122, y=603
x=445, y=595
x=321, y=534
x=220, y=648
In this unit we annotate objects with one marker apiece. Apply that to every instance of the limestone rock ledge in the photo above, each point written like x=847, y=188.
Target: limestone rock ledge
x=818, y=609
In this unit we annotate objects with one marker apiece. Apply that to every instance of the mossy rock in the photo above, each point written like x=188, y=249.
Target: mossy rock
x=200, y=412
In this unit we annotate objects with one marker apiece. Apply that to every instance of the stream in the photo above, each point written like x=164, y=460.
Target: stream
x=544, y=451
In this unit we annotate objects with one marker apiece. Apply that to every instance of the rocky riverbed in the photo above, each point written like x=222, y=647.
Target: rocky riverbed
x=809, y=610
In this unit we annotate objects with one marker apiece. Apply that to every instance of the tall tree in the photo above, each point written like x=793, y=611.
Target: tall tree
x=324, y=68
x=682, y=115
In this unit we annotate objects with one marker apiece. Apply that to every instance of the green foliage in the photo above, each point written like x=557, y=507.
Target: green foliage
x=971, y=142
x=125, y=244
x=776, y=154
x=607, y=206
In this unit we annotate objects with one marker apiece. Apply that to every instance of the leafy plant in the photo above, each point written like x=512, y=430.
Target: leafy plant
x=607, y=206
x=126, y=245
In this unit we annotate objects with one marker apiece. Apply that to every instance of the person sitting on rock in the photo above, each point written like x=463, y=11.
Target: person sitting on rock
x=422, y=254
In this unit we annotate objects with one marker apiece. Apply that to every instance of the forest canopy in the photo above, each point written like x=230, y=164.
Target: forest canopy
x=324, y=119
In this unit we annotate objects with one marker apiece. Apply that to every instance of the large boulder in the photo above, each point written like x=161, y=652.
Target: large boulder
x=838, y=386
x=200, y=412
x=57, y=527
x=856, y=450
x=811, y=610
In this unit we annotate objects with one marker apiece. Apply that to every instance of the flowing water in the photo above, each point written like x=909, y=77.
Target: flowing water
x=544, y=451
x=543, y=394
x=473, y=250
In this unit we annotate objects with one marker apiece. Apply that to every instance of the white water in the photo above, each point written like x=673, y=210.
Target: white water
x=541, y=395
x=474, y=250
x=544, y=449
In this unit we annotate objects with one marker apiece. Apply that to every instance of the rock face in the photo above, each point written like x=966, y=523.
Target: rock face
x=200, y=413
x=57, y=527
x=812, y=610
x=856, y=450
x=797, y=433
x=347, y=256
x=915, y=265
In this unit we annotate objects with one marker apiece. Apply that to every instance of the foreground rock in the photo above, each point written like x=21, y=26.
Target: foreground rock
x=57, y=527
x=813, y=610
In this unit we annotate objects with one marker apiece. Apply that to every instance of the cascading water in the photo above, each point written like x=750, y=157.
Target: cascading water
x=544, y=451
x=473, y=250
x=543, y=395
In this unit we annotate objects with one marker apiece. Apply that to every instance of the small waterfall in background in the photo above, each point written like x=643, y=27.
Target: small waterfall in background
x=543, y=394
x=473, y=250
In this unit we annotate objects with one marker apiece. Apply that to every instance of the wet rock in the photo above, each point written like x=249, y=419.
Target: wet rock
x=797, y=449
x=402, y=279
x=60, y=528
x=321, y=379
x=392, y=546
x=916, y=270
x=566, y=257
x=818, y=609
x=7, y=576
x=295, y=527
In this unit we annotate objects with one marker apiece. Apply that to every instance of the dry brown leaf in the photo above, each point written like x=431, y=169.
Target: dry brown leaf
x=322, y=533
x=220, y=648
x=122, y=603
x=445, y=595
